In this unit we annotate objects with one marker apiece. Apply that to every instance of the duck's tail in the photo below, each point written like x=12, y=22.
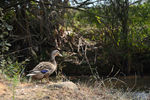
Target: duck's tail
x=30, y=74
x=33, y=73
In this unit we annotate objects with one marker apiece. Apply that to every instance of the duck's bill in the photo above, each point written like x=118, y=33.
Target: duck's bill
x=60, y=55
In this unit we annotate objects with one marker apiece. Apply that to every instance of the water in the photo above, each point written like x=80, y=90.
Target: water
x=141, y=96
x=139, y=87
x=137, y=83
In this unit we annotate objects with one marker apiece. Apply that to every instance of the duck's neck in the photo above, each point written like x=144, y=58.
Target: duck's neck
x=53, y=61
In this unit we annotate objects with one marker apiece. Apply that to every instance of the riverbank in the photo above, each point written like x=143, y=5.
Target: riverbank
x=13, y=90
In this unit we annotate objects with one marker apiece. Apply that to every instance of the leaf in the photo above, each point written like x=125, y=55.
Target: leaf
x=33, y=3
x=5, y=32
x=9, y=27
x=1, y=36
x=8, y=44
x=98, y=19
x=1, y=9
x=34, y=53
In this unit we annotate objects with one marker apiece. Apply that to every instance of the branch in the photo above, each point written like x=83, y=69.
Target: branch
x=84, y=3
x=16, y=4
x=139, y=1
x=70, y=7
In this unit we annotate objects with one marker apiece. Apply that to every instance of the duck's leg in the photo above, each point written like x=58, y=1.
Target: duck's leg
x=41, y=81
x=47, y=79
x=30, y=80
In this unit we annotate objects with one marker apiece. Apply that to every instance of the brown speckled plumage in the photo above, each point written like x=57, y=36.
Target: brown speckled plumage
x=44, y=69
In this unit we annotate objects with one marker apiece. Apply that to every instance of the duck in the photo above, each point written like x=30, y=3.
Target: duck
x=45, y=68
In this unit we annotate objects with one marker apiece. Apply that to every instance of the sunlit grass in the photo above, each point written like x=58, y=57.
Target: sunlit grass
x=104, y=89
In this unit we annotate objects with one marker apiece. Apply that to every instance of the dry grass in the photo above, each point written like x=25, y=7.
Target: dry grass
x=41, y=92
x=34, y=91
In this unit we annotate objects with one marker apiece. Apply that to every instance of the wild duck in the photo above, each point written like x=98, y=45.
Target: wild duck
x=45, y=69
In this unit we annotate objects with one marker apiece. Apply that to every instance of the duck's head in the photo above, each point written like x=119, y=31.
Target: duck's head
x=55, y=53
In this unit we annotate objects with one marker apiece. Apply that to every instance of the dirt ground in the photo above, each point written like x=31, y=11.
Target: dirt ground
x=41, y=91
x=29, y=91
x=32, y=91
x=3, y=89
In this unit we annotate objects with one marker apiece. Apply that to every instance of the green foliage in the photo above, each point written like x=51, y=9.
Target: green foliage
x=4, y=28
x=7, y=65
x=4, y=45
x=15, y=81
x=108, y=30
x=13, y=69
x=139, y=25
x=123, y=31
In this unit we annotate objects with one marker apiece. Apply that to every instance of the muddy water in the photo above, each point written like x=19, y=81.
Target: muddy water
x=137, y=83
x=139, y=87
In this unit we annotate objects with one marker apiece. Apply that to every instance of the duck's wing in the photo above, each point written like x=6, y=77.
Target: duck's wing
x=42, y=68
x=39, y=72
x=44, y=65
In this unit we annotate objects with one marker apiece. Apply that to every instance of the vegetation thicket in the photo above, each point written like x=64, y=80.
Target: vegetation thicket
x=94, y=37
